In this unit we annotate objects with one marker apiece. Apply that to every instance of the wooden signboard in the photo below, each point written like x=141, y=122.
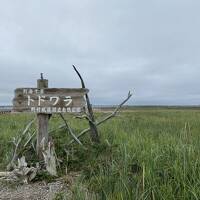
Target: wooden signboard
x=49, y=100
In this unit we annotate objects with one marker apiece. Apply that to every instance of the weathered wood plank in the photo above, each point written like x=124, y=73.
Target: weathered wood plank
x=49, y=100
x=52, y=91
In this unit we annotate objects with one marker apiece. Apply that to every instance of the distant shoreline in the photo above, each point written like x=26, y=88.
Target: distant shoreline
x=8, y=108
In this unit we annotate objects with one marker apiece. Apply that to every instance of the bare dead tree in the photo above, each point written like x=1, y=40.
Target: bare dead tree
x=91, y=119
x=89, y=116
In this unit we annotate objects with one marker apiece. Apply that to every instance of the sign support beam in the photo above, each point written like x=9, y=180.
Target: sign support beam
x=42, y=123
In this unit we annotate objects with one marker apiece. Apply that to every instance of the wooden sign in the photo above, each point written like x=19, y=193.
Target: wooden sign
x=49, y=100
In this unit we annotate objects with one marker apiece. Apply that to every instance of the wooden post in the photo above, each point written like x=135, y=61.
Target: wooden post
x=42, y=122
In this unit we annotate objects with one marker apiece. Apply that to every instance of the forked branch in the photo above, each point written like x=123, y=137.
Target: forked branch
x=113, y=114
x=93, y=129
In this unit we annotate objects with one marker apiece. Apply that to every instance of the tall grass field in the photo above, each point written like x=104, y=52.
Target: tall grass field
x=144, y=154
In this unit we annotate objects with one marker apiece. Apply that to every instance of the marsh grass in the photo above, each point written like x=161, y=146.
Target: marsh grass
x=150, y=154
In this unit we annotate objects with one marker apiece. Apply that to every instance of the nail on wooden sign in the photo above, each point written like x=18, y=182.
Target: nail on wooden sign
x=49, y=100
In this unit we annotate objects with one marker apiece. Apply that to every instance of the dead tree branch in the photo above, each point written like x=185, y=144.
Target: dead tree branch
x=70, y=130
x=104, y=119
x=93, y=129
x=116, y=109
x=85, y=116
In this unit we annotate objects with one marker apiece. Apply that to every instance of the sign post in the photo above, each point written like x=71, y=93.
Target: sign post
x=42, y=122
x=45, y=101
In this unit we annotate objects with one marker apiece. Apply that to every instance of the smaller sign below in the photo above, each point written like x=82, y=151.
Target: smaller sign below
x=49, y=100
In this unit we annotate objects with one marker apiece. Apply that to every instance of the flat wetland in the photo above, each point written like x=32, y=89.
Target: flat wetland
x=145, y=153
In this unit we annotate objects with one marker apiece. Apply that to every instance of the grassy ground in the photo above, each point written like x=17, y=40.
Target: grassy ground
x=151, y=154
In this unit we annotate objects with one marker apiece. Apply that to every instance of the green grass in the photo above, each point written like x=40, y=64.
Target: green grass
x=144, y=154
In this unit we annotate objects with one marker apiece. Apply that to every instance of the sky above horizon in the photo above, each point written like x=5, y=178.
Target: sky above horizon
x=150, y=47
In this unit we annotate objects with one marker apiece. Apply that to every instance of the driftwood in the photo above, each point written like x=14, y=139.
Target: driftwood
x=49, y=155
x=24, y=174
x=93, y=128
x=21, y=173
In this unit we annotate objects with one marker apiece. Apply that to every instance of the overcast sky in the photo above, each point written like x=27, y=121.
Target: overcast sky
x=151, y=47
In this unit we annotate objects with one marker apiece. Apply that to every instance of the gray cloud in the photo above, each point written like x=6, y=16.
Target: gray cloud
x=151, y=47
